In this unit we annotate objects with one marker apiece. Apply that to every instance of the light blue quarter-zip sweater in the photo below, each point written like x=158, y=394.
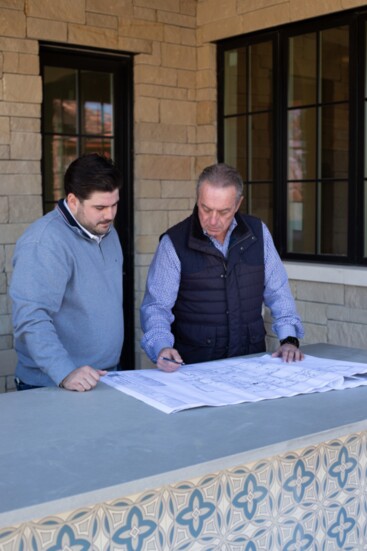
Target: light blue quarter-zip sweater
x=66, y=290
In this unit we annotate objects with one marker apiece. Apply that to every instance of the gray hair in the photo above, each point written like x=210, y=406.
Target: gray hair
x=221, y=175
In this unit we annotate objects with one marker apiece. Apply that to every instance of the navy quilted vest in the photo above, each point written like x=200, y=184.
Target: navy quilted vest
x=218, y=311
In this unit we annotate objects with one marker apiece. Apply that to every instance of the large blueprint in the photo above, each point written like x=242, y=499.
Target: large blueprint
x=236, y=380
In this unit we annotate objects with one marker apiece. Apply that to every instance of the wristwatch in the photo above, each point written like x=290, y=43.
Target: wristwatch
x=290, y=340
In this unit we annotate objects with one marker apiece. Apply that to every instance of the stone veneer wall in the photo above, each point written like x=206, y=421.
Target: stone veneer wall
x=174, y=116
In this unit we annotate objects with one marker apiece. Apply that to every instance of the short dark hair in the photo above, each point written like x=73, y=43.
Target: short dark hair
x=89, y=173
x=221, y=175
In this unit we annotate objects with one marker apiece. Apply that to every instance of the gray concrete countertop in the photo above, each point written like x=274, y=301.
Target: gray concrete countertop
x=62, y=450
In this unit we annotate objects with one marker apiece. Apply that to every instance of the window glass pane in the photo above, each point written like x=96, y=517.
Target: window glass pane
x=260, y=202
x=235, y=144
x=103, y=146
x=334, y=141
x=59, y=106
x=261, y=147
x=302, y=144
x=335, y=64
x=96, y=103
x=235, y=99
x=334, y=218
x=302, y=82
x=261, y=75
x=301, y=217
x=59, y=152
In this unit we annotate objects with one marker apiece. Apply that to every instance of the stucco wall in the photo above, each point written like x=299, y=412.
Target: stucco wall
x=174, y=111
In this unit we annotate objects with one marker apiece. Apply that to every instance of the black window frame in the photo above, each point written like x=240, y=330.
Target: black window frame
x=357, y=226
x=122, y=66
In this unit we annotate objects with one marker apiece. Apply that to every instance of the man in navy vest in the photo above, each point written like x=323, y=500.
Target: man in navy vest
x=209, y=279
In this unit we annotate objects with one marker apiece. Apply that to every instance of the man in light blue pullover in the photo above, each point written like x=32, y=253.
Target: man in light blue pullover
x=66, y=286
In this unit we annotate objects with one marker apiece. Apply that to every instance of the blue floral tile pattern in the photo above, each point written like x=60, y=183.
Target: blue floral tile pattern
x=313, y=499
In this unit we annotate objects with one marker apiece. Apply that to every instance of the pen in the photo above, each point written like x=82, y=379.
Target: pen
x=173, y=361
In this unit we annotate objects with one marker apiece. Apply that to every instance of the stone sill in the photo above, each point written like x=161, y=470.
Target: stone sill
x=344, y=275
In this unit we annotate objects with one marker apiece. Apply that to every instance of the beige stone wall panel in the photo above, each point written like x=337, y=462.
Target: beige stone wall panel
x=20, y=184
x=206, y=78
x=220, y=29
x=161, y=133
x=146, y=244
x=163, y=167
x=23, y=124
x=206, y=94
x=166, y=5
x=12, y=4
x=191, y=149
x=188, y=7
x=149, y=148
x=178, y=56
x=206, y=112
x=267, y=17
x=92, y=36
x=72, y=11
x=4, y=219
x=214, y=10
x=178, y=35
x=24, y=145
x=9, y=250
x=148, y=14
x=4, y=151
x=155, y=75
x=25, y=209
x=188, y=37
x=177, y=112
x=4, y=130
x=203, y=162
x=187, y=79
x=10, y=233
x=146, y=110
x=164, y=92
x=150, y=58
x=20, y=109
x=149, y=30
x=178, y=188
x=15, y=62
x=206, y=134
x=167, y=204
x=16, y=168
x=246, y=6
x=134, y=45
x=22, y=88
x=18, y=45
x=348, y=4
x=302, y=10
x=12, y=23
x=102, y=20
x=147, y=188
x=207, y=57
x=176, y=19
x=111, y=7
x=154, y=223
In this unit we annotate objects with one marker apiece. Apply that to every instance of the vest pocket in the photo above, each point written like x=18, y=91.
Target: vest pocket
x=256, y=337
x=197, y=343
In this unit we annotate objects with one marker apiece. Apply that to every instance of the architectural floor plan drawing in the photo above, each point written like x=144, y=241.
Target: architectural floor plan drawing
x=236, y=380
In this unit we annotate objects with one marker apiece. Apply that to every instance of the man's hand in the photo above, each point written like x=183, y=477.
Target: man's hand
x=83, y=378
x=169, y=359
x=288, y=353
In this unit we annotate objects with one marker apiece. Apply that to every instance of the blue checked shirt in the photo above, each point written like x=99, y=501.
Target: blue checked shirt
x=163, y=283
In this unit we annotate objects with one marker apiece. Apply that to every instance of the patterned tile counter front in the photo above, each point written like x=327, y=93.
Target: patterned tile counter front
x=309, y=495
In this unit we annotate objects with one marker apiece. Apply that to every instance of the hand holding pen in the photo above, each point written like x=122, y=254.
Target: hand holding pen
x=169, y=360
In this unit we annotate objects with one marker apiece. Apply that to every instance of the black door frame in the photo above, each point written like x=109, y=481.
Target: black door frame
x=121, y=65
